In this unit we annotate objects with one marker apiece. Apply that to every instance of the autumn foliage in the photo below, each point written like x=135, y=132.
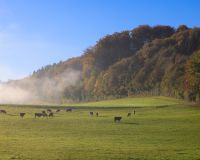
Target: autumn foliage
x=147, y=60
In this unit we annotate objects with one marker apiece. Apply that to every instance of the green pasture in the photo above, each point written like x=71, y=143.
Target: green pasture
x=131, y=102
x=162, y=129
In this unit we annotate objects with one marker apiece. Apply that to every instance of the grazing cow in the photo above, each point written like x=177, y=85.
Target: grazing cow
x=91, y=113
x=3, y=111
x=58, y=110
x=49, y=110
x=45, y=114
x=51, y=114
x=22, y=115
x=38, y=115
x=69, y=110
x=117, y=119
x=41, y=115
x=129, y=114
x=134, y=112
x=97, y=114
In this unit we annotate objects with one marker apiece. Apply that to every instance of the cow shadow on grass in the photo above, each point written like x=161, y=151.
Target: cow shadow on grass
x=131, y=123
x=11, y=114
x=103, y=116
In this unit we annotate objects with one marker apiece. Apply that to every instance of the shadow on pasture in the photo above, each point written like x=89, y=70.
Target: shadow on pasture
x=131, y=123
x=11, y=114
x=103, y=116
x=162, y=106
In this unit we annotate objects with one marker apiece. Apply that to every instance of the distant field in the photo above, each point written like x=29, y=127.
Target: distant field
x=132, y=102
x=166, y=129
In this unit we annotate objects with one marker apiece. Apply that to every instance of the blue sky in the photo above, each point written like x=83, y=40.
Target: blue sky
x=34, y=33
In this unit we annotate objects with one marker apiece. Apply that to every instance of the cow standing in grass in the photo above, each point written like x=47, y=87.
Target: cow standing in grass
x=58, y=110
x=129, y=114
x=38, y=115
x=91, y=113
x=22, y=115
x=117, y=119
x=97, y=114
x=3, y=111
x=41, y=115
x=51, y=114
x=69, y=110
x=44, y=114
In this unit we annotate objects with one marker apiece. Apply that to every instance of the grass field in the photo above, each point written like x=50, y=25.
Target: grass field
x=162, y=129
x=132, y=102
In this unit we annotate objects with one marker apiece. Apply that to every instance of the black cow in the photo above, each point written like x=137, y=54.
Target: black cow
x=41, y=115
x=69, y=110
x=91, y=113
x=45, y=114
x=38, y=115
x=3, y=111
x=129, y=114
x=117, y=119
x=97, y=114
x=22, y=115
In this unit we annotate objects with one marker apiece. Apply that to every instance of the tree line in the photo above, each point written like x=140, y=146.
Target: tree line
x=158, y=60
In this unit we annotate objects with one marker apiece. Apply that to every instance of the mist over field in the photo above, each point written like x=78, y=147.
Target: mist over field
x=38, y=90
x=13, y=94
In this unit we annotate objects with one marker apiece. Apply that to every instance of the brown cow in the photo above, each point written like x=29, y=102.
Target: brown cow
x=49, y=110
x=3, y=111
x=58, y=110
x=51, y=114
x=91, y=113
x=97, y=114
x=22, y=115
x=129, y=114
x=117, y=119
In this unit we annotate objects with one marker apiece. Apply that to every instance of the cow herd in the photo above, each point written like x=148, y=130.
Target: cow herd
x=116, y=119
x=50, y=113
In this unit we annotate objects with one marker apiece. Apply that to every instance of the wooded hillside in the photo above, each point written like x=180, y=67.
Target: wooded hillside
x=147, y=60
